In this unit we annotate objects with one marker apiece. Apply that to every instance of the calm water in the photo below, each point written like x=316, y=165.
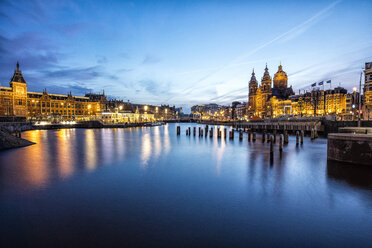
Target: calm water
x=149, y=187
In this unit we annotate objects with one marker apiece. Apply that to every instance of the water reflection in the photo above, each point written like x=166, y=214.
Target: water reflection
x=157, y=142
x=188, y=180
x=90, y=149
x=167, y=144
x=36, y=174
x=219, y=145
x=355, y=175
x=146, y=149
x=66, y=152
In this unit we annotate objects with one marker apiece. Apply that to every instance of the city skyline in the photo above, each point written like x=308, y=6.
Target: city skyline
x=172, y=53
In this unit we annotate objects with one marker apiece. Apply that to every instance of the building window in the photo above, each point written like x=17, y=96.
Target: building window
x=19, y=102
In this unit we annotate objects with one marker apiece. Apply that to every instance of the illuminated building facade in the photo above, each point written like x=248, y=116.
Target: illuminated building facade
x=17, y=101
x=211, y=111
x=319, y=103
x=367, y=108
x=261, y=98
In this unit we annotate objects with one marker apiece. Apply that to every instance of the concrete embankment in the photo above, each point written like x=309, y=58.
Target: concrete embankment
x=351, y=145
x=7, y=141
x=351, y=148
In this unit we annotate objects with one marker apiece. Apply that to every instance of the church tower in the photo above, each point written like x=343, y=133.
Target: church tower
x=253, y=85
x=266, y=81
x=280, y=79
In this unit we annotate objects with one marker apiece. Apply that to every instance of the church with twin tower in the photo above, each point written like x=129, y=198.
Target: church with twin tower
x=259, y=96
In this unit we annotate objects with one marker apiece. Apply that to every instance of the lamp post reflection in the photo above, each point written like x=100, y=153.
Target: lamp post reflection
x=90, y=150
x=65, y=145
x=146, y=149
x=219, y=145
x=36, y=172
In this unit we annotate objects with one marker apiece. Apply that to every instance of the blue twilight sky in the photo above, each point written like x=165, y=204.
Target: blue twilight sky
x=182, y=52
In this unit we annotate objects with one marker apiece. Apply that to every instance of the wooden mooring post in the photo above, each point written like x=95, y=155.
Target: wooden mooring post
x=281, y=142
x=241, y=135
x=297, y=138
x=271, y=148
x=210, y=133
x=178, y=130
x=286, y=140
x=302, y=136
x=254, y=136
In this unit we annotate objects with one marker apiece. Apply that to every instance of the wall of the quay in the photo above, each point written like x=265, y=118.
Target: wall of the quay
x=350, y=148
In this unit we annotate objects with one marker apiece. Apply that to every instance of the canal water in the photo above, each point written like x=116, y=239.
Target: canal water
x=148, y=187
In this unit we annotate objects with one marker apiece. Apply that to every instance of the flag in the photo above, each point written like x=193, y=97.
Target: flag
x=320, y=83
x=329, y=81
x=313, y=85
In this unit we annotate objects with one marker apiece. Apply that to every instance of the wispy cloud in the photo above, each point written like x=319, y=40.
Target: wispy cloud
x=286, y=36
x=150, y=59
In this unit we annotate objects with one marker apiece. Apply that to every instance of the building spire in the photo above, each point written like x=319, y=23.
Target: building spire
x=17, y=66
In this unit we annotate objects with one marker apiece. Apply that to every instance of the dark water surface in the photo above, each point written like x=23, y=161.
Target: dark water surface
x=148, y=187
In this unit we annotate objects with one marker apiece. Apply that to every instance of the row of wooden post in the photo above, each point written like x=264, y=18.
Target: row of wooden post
x=251, y=135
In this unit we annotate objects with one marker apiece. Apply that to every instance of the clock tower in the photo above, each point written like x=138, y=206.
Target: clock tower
x=19, y=89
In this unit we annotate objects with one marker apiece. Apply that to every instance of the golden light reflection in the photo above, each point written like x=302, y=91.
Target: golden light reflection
x=107, y=145
x=65, y=144
x=36, y=173
x=219, y=149
x=146, y=149
x=157, y=142
x=120, y=146
x=166, y=144
x=90, y=149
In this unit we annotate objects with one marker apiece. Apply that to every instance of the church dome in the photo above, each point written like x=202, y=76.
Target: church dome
x=280, y=78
